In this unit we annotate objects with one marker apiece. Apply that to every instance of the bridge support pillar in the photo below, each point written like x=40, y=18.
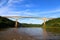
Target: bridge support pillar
x=44, y=24
x=44, y=29
x=16, y=23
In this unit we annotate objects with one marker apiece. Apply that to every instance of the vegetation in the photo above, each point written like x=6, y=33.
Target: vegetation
x=30, y=25
x=6, y=23
x=53, y=26
x=53, y=23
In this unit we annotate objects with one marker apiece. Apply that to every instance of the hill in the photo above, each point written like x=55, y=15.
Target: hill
x=6, y=23
x=53, y=26
x=30, y=25
x=53, y=23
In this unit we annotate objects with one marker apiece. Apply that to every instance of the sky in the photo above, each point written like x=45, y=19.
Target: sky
x=33, y=8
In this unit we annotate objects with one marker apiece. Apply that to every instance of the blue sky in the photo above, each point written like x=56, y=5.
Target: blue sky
x=35, y=8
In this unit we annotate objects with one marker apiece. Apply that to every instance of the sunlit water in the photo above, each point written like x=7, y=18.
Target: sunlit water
x=33, y=33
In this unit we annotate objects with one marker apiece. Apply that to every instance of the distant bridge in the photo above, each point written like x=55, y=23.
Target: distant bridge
x=18, y=17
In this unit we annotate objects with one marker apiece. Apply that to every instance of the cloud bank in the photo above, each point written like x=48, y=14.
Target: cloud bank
x=20, y=8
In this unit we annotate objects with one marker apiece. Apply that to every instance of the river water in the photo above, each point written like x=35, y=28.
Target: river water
x=30, y=34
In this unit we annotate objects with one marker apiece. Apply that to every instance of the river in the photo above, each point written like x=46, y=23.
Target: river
x=29, y=34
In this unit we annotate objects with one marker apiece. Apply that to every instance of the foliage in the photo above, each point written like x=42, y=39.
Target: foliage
x=30, y=25
x=6, y=23
x=53, y=23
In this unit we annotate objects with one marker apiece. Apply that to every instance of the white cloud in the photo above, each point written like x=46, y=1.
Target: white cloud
x=3, y=10
x=14, y=1
x=29, y=21
x=7, y=11
x=48, y=12
x=29, y=5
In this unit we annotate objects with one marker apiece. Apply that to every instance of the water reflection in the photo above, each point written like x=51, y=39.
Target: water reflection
x=53, y=33
x=31, y=31
x=53, y=30
x=45, y=34
x=35, y=33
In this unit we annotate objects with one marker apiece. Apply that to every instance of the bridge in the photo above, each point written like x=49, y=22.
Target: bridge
x=19, y=17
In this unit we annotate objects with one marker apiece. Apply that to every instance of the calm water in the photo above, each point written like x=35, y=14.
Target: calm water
x=32, y=33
